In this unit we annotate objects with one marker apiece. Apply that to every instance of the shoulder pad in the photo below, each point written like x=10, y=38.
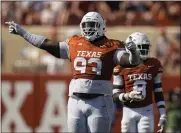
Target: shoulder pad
x=154, y=60
x=114, y=43
x=119, y=44
x=157, y=64
x=73, y=38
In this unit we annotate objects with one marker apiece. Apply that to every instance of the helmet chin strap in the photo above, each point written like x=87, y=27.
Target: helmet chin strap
x=89, y=39
x=95, y=39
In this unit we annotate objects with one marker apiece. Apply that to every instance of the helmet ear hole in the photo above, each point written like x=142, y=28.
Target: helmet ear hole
x=139, y=46
x=98, y=25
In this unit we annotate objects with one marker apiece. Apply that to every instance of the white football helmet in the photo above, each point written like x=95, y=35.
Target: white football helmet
x=142, y=43
x=92, y=26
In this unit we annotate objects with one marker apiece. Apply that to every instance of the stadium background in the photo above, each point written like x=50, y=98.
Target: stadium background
x=35, y=84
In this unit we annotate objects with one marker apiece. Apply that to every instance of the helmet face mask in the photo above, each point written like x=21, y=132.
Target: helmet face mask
x=92, y=26
x=144, y=50
x=89, y=28
x=142, y=44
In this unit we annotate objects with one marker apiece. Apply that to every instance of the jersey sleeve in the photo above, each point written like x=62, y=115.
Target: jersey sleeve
x=64, y=50
x=159, y=66
x=116, y=70
x=72, y=39
x=118, y=83
x=71, y=45
x=117, y=79
x=117, y=76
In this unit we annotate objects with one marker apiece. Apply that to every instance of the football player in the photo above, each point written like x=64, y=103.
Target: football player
x=133, y=86
x=93, y=57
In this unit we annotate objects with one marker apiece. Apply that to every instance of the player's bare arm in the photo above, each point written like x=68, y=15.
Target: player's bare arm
x=57, y=49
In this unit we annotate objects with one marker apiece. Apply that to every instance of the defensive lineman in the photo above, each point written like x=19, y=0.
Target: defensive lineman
x=93, y=57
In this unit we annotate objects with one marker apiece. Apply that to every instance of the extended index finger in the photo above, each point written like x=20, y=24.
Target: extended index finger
x=8, y=23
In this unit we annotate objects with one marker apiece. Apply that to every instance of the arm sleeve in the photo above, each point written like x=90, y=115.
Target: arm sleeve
x=159, y=67
x=158, y=93
x=57, y=49
x=117, y=86
x=117, y=83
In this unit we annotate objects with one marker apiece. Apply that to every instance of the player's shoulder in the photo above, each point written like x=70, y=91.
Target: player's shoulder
x=118, y=43
x=74, y=38
x=116, y=70
x=152, y=60
x=156, y=64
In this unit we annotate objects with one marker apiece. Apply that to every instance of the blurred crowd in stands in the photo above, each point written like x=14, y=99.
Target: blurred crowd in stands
x=71, y=12
x=168, y=50
x=173, y=104
x=148, y=13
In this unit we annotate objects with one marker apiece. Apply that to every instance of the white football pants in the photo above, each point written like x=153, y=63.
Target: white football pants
x=92, y=115
x=140, y=120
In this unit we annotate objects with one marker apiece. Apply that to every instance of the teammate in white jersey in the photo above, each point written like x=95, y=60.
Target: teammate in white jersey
x=93, y=57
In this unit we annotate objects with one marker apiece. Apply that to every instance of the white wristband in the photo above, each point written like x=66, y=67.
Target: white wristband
x=121, y=97
x=125, y=96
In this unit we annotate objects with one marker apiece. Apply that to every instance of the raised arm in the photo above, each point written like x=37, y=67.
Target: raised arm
x=57, y=49
x=129, y=57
